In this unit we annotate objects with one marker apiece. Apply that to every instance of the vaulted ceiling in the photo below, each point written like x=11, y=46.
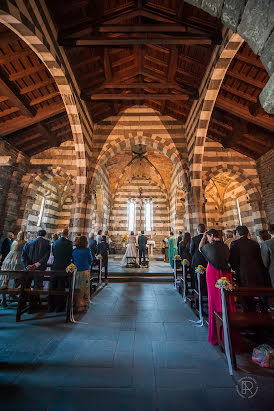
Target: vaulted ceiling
x=32, y=113
x=128, y=52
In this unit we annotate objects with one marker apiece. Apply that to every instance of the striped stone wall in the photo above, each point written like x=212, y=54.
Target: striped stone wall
x=265, y=167
x=119, y=212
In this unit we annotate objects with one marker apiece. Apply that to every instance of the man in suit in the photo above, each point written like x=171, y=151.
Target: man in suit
x=93, y=246
x=62, y=253
x=35, y=256
x=103, y=249
x=267, y=252
x=142, y=242
x=6, y=245
x=196, y=255
x=179, y=239
x=246, y=261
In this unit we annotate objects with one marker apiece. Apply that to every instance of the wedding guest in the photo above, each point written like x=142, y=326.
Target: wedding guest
x=82, y=258
x=228, y=237
x=246, y=261
x=6, y=245
x=197, y=257
x=62, y=256
x=93, y=246
x=267, y=252
x=184, y=247
x=103, y=249
x=172, y=248
x=54, y=237
x=13, y=259
x=99, y=237
x=179, y=239
x=216, y=253
x=264, y=235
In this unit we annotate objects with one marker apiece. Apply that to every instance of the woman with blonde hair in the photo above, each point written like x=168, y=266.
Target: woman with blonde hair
x=13, y=259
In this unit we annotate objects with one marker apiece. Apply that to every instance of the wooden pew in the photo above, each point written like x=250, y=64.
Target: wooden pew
x=25, y=292
x=241, y=319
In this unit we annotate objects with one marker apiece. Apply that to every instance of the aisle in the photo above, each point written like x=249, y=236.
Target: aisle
x=138, y=352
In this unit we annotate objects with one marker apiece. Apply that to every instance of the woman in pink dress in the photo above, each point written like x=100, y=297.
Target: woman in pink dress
x=217, y=255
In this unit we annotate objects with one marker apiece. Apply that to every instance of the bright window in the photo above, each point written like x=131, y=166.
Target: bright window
x=148, y=216
x=41, y=212
x=131, y=215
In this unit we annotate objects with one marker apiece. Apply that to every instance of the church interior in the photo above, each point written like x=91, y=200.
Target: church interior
x=131, y=115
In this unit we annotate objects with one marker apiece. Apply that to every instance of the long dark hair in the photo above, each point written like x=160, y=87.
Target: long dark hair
x=186, y=240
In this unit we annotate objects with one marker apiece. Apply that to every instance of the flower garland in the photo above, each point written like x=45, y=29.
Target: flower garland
x=185, y=262
x=124, y=238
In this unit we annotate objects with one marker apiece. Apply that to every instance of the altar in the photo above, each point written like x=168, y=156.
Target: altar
x=150, y=245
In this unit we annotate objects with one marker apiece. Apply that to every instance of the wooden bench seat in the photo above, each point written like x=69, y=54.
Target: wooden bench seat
x=241, y=319
x=25, y=292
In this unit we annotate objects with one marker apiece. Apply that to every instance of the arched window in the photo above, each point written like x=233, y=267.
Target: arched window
x=41, y=212
x=148, y=216
x=131, y=215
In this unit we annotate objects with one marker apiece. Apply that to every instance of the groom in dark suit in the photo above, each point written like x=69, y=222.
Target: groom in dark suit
x=142, y=242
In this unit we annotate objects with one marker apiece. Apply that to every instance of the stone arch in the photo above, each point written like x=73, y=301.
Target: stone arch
x=12, y=17
x=128, y=141
x=254, y=196
x=216, y=78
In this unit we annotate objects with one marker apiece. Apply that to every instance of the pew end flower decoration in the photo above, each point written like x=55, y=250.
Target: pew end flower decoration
x=99, y=257
x=200, y=269
x=185, y=262
x=71, y=268
x=224, y=283
x=177, y=257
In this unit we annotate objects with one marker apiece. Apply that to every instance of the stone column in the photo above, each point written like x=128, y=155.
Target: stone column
x=258, y=213
x=79, y=215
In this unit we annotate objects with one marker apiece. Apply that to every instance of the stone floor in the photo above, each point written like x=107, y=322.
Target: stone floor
x=134, y=350
x=156, y=265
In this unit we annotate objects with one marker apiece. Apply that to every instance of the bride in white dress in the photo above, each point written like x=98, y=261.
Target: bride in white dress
x=131, y=248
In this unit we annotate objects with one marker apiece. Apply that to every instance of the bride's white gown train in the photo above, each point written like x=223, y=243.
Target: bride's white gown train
x=130, y=250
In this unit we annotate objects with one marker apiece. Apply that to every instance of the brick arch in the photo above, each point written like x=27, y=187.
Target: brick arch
x=235, y=173
x=215, y=81
x=168, y=148
x=12, y=17
x=127, y=168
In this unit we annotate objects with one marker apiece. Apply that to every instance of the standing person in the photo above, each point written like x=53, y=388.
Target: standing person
x=34, y=256
x=228, y=237
x=54, y=237
x=246, y=261
x=217, y=255
x=267, y=252
x=6, y=245
x=142, y=242
x=93, y=246
x=131, y=248
x=184, y=247
x=264, y=236
x=172, y=248
x=82, y=258
x=13, y=259
x=179, y=239
x=103, y=249
x=62, y=256
x=99, y=237
x=197, y=257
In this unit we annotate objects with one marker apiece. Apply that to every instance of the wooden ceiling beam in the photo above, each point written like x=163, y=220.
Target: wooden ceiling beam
x=249, y=60
x=143, y=28
x=243, y=150
x=167, y=85
x=239, y=93
x=7, y=37
x=26, y=72
x=246, y=79
x=7, y=58
x=14, y=125
x=41, y=99
x=243, y=112
x=143, y=96
x=9, y=111
x=186, y=39
x=10, y=90
x=37, y=85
